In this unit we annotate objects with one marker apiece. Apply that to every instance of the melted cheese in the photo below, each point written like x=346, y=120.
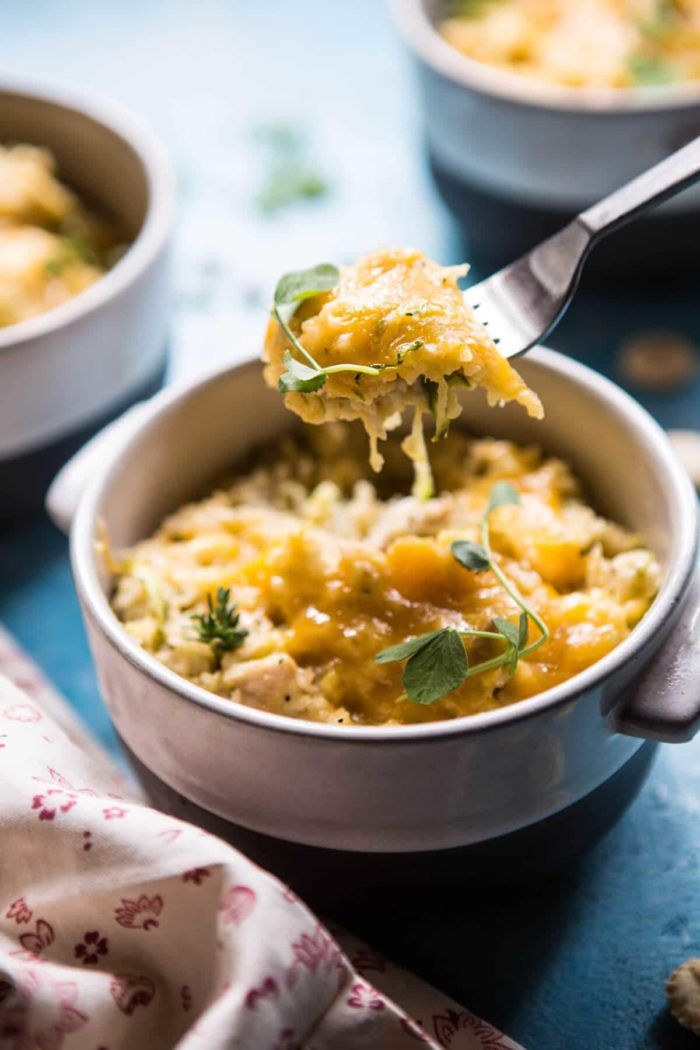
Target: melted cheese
x=327, y=570
x=583, y=43
x=384, y=305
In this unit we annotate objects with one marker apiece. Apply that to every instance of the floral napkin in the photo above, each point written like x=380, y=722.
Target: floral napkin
x=124, y=929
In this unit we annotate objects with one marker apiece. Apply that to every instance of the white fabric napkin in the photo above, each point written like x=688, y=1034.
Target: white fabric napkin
x=122, y=928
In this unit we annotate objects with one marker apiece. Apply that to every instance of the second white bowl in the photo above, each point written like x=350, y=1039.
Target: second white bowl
x=68, y=370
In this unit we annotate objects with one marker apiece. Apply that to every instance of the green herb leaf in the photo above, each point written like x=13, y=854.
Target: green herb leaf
x=300, y=377
x=304, y=284
x=79, y=246
x=55, y=266
x=291, y=384
x=403, y=650
x=219, y=627
x=405, y=349
x=502, y=494
x=649, y=70
x=298, y=368
x=471, y=555
x=437, y=668
x=509, y=631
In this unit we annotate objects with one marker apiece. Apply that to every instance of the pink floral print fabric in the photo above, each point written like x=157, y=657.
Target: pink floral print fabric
x=124, y=929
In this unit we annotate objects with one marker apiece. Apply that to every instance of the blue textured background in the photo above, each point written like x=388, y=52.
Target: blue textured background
x=577, y=963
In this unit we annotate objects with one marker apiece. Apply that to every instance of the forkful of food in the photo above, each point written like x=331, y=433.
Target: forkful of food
x=394, y=332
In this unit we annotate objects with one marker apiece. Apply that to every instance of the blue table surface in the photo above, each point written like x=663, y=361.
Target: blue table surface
x=577, y=963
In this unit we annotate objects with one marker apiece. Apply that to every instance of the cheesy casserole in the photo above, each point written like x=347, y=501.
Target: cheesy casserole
x=328, y=567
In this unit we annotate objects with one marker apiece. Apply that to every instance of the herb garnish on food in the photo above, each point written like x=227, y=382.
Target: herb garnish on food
x=72, y=250
x=294, y=288
x=662, y=19
x=437, y=662
x=649, y=70
x=219, y=627
x=466, y=8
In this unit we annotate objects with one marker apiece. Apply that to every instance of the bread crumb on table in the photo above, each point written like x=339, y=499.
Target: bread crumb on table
x=683, y=993
x=657, y=359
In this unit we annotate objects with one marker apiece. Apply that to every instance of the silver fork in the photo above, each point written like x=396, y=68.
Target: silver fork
x=523, y=302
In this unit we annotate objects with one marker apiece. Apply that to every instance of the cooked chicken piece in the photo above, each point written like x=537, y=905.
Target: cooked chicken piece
x=263, y=683
x=410, y=516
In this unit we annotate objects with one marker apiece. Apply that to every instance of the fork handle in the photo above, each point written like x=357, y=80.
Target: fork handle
x=664, y=180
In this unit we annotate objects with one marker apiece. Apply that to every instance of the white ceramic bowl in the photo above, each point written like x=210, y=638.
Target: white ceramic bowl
x=409, y=788
x=70, y=369
x=516, y=157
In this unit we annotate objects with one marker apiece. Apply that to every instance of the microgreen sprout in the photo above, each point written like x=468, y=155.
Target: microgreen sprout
x=437, y=662
x=307, y=375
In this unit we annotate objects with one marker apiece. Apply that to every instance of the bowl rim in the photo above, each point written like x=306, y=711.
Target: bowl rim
x=680, y=572
x=155, y=228
x=420, y=34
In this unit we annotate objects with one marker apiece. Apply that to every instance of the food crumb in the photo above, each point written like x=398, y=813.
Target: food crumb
x=657, y=359
x=683, y=993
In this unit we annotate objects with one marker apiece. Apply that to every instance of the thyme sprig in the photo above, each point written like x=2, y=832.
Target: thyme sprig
x=437, y=662
x=307, y=375
x=219, y=627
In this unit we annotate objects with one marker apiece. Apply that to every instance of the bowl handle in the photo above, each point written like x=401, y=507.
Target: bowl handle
x=663, y=702
x=67, y=487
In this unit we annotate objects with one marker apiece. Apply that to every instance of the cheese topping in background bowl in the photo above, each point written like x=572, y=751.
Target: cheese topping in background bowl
x=581, y=43
x=51, y=246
